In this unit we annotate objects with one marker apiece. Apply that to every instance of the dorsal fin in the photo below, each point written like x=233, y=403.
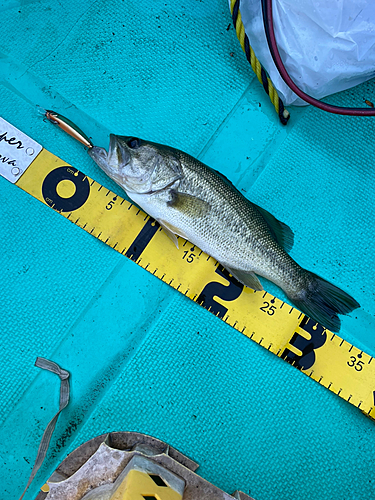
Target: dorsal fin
x=280, y=231
x=225, y=179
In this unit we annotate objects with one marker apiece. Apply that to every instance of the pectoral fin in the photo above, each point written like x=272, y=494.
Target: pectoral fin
x=188, y=204
x=247, y=278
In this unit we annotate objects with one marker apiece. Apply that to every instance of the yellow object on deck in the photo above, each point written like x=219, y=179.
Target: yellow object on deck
x=142, y=486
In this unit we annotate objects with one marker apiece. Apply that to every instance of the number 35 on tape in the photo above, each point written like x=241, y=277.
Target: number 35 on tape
x=281, y=329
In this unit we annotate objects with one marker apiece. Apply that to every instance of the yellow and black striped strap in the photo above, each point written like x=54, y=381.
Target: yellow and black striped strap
x=255, y=64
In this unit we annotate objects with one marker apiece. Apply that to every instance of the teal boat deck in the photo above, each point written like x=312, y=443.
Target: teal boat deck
x=141, y=356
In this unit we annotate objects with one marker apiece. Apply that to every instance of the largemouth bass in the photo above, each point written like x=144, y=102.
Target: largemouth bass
x=191, y=200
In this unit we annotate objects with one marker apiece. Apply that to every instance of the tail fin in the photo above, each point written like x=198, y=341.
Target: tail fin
x=322, y=301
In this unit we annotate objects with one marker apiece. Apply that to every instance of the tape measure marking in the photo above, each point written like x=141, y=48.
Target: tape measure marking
x=143, y=239
x=324, y=357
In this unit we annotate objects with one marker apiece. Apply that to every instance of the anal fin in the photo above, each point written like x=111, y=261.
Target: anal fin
x=247, y=278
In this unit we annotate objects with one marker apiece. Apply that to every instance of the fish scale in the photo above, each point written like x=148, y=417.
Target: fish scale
x=283, y=330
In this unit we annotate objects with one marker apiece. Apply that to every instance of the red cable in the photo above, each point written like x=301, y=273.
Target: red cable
x=285, y=76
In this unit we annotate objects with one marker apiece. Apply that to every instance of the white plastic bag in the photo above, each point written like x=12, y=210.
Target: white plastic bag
x=326, y=45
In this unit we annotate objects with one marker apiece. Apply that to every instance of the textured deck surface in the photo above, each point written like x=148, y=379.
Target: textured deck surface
x=141, y=356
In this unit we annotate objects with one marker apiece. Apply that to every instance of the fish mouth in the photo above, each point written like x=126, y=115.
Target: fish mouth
x=96, y=152
x=118, y=156
x=112, y=162
x=112, y=144
x=102, y=159
x=99, y=155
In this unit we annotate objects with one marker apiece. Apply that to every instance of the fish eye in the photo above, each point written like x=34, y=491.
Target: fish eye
x=133, y=143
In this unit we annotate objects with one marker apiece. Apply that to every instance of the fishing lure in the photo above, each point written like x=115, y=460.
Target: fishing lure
x=68, y=126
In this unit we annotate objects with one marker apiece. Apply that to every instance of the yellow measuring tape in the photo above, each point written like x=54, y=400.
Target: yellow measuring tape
x=281, y=329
